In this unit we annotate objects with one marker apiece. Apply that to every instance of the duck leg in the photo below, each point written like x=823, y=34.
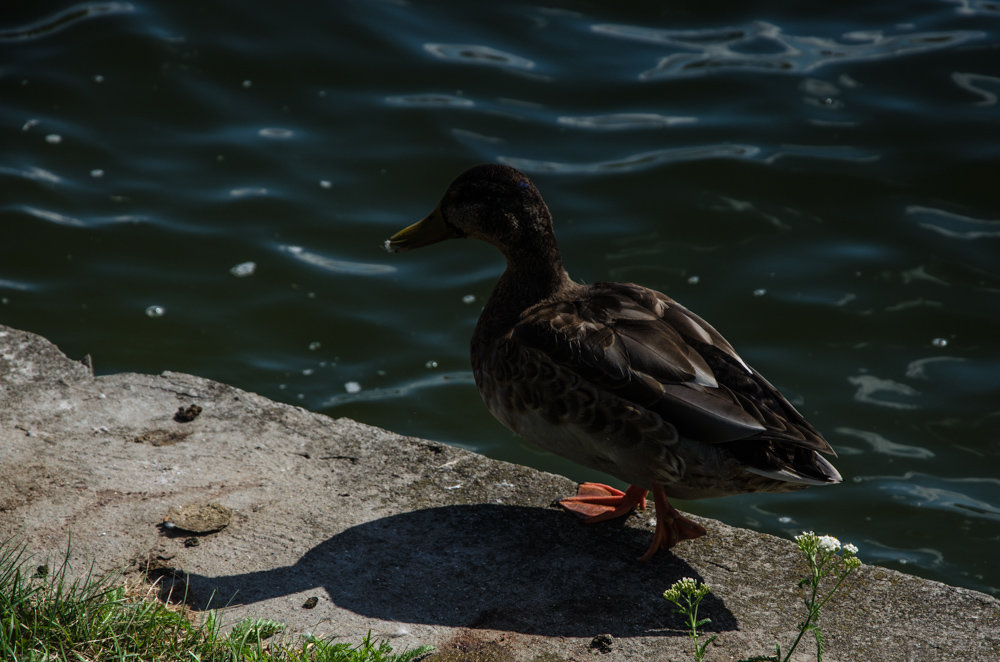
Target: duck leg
x=671, y=526
x=596, y=502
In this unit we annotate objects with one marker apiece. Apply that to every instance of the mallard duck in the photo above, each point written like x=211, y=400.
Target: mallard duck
x=615, y=376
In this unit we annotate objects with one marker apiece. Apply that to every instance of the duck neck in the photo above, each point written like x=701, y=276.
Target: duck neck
x=525, y=283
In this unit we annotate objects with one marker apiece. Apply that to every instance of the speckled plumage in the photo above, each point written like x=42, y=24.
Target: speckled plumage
x=615, y=376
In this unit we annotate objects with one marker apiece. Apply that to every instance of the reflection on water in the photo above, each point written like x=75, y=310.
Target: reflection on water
x=883, y=392
x=335, y=265
x=636, y=162
x=356, y=394
x=979, y=84
x=60, y=20
x=52, y=216
x=917, y=369
x=195, y=187
x=476, y=54
x=955, y=226
x=933, y=492
x=766, y=47
x=624, y=121
x=880, y=444
x=431, y=100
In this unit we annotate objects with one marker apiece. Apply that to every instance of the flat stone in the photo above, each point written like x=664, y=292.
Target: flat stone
x=415, y=541
x=198, y=517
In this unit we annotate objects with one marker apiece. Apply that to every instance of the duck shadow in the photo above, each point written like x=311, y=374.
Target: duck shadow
x=527, y=570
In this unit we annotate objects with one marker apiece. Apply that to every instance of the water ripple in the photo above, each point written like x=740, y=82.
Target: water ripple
x=878, y=552
x=882, y=445
x=847, y=153
x=90, y=221
x=636, y=162
x=764, y=46
x=623, y=121
x=52, y=216
x=249, y=192
x=955, y=226
x=973, y=7
x=479, y=55
x=402, y=390
x=429, y=101
x=63, y=19
x=976, y=83
x=336, y=265
x=917, y=369
x=276, y=133
x=870, y=388
x=926, y=490
x=33, y=173
x=18, y=286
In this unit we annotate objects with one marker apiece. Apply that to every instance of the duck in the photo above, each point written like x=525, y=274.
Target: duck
x=616, y=377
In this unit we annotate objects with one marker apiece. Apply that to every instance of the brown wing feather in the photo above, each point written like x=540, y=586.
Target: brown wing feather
x=650, y=350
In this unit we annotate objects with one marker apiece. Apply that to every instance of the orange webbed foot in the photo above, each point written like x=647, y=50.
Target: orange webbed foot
x=671, y=526
x=596, y=502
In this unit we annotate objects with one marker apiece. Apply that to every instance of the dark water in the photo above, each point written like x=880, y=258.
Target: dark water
x=821, y=186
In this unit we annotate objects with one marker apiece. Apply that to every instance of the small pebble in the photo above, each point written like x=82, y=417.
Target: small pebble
x=156, y=311
x=940, y=342
x=352, y=387
x=198, y=518
x=187, y=414
x=602, y=643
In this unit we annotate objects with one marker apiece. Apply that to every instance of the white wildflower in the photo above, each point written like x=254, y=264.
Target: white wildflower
x=828, y=544
x=850, y=549
x=686, y=586
x=687, y=583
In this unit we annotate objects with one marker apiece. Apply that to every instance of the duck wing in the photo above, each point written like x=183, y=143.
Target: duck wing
x=644, y=347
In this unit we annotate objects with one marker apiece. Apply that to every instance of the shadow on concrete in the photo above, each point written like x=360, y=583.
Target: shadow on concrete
x=513, y=568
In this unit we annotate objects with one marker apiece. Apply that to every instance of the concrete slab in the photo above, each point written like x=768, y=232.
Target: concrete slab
x=415, y=541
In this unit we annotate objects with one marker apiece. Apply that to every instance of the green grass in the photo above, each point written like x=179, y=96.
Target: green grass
x=44, y=616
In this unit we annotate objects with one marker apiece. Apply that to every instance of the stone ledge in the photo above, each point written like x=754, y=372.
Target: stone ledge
x=418, y=542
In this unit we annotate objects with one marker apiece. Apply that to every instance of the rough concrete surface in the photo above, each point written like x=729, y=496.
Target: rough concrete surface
x=415, y=541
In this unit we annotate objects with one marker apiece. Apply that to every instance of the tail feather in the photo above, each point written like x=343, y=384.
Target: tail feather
x=820, y=472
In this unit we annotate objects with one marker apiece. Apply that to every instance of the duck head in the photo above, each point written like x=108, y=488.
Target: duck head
x=494, y=203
